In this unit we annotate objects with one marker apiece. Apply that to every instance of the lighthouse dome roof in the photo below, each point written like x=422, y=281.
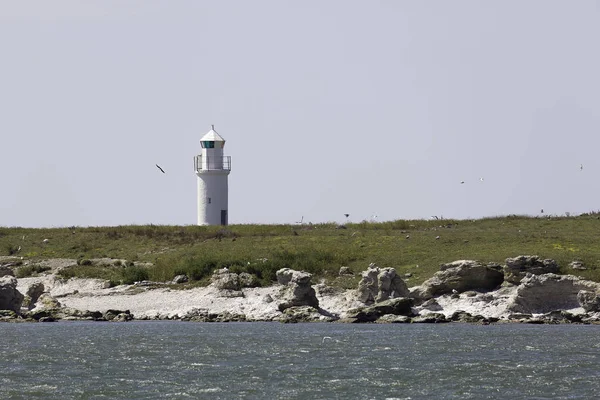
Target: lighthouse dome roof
x=213, y=136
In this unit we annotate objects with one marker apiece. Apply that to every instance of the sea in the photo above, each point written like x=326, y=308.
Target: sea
x=190, y=360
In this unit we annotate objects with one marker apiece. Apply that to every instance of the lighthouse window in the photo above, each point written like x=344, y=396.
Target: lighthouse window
x=208, y=144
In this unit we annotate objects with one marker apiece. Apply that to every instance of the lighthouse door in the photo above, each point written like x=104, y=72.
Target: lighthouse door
x=223, y=217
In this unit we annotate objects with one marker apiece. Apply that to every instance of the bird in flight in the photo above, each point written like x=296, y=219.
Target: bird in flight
x=161, y=170
x=346, y=215
x=581, y=167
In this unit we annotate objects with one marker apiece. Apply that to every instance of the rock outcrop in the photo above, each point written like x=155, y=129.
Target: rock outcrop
x=297, y=290
x=380, y=284
x=396, y=306
x=33, y=294
x=517, y=268
x=6, y=270
x=460, y=276
x=10, y=297
x=230, y=284
x=589, y=300
x=550, y=292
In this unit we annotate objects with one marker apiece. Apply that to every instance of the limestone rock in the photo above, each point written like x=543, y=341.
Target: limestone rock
x=33, y=293
x=397, y=306
x=180, y=279
x=549, y=292
x=460, y=276
x=577, y=265
x=297, y=290
x=117, y=315
x=516, y=268
x=230, y=284
x=10, y=297
x=431, y=318
x=380, y=284
x=589, y=300
x=303, y=314
x=345, y=271
x=247, y=280
x=393, y=319
x=45, y=301
x=6, y=270
x=223, y=279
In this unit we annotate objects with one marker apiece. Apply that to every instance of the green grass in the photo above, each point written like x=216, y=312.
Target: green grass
x=320, y=249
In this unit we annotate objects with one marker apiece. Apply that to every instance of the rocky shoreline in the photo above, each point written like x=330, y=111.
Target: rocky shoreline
x=526, y=289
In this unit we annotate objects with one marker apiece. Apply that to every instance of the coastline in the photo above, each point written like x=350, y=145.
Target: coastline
x=382, y=297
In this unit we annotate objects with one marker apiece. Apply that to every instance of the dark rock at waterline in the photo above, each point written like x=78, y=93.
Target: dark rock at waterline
x=117, y=315
x=203, y=315
x=397, y=306
x=432, y=318
x=304, y=314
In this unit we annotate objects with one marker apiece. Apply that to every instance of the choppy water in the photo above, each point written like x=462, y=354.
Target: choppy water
x=178, y=360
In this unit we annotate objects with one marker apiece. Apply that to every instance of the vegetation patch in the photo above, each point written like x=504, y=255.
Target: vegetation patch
x=414, y=247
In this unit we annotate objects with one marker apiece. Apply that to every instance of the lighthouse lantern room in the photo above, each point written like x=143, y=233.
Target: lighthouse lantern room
x=212, y=169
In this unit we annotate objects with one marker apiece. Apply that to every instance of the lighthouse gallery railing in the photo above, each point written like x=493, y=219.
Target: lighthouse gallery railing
x=212, y=163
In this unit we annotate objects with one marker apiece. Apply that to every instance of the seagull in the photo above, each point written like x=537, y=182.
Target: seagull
x=346, y=215
x=581, y=167
x=461, y=182
x=326, y=337
x=161, y=170
x=408, y=236
x=437, y=237
x=481, y=179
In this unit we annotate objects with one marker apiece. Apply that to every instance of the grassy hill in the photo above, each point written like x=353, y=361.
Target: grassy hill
x=410, y=246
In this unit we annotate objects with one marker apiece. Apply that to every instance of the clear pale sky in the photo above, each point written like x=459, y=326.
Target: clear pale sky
x=328, y=107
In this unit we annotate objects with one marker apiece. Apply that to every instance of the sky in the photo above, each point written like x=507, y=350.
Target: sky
x=378, y=109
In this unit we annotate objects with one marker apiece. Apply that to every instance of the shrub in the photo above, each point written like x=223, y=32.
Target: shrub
x=134, y=274
x=30, y=270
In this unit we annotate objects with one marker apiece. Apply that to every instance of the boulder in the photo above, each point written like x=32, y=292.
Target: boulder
x=6, y=270
x=230, y=284
x=380, y=284
x=517, y=268
x=117, y=315
x=297, y=290
x=10, y=297
x=577, y=265
x=345, y=271
x=222, y=279
x=463, y=316
x=180, y=279
x=538, y=294
x=303, y=314
x=47, y=302
x=33, y=293
x=460, y=276
x=397, y=306
x=431, y=318
x=589, y=300
x=204, y=315
x=393, y=319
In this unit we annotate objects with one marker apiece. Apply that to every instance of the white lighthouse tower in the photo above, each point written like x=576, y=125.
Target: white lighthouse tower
x=212, y=168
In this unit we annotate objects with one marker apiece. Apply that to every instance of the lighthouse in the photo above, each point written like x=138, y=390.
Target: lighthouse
x=212, y=168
